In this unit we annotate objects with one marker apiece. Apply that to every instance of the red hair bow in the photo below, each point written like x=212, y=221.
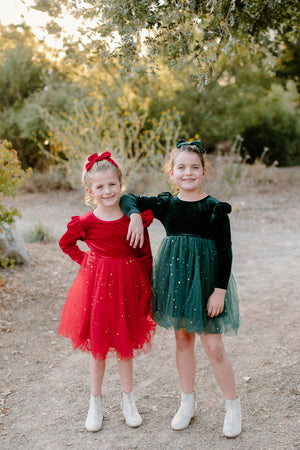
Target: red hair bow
x=95, y=157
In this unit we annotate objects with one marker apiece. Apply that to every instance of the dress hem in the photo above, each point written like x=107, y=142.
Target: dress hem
x=226, y=331
x=85, y=347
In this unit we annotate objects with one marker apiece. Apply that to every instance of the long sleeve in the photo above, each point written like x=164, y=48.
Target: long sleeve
x=220, y=222
x=145, y=253
x=68, y=242
x=135, y=204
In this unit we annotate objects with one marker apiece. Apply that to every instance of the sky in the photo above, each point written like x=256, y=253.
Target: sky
x=11, y=12
x=16, y=11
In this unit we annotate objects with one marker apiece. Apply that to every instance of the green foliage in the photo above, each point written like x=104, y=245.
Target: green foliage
x=11, y=175
x=23, y=68
x=239, y=98
x=93, y=127
x=6, y=262
x=73, y=110
x=39, y=233
x=274, y=128
x=288, y=62
x=57, y=97
x=28, y=82
x=216, y=113
x=192, y=34
x=20, y=75
x=22, y=72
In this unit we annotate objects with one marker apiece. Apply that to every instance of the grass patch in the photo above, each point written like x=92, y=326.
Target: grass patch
x=230, y=174
x=39, y=233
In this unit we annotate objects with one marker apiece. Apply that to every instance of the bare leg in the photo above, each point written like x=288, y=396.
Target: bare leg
x=221, y=365
x=186, y=366
x=126, y=373
x=129, y=409
x=97, y=369
x=95, y=416
x=185, y=360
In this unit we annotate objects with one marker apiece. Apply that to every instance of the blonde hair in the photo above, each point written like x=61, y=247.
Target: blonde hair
x=87, y=176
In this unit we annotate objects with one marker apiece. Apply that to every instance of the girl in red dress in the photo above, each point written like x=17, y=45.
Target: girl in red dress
x=108, y=308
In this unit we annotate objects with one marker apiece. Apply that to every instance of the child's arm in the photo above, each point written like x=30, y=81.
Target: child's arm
x=68, y=242
x=135, y=234
x=222, y=235
x=133, y=204
x=221, y=224
x=224, y=250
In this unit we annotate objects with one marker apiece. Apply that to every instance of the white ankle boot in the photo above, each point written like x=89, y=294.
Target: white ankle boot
x=185, y=413
x=233, y=419
x=94, y=418
x=130, y=412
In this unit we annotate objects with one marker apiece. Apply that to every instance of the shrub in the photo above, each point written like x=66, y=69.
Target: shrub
x=230, y=174
x=39, y=233
x=11, y=176
x=274, y=125
x=277, y=133
x=93, y=127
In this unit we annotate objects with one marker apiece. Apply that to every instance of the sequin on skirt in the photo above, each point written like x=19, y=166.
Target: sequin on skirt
x=183, y=280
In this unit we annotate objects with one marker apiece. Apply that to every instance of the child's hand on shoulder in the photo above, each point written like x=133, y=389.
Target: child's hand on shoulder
x=215, y=304
x=135, y=234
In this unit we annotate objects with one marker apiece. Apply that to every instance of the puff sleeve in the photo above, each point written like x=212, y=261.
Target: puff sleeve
x=68, y=242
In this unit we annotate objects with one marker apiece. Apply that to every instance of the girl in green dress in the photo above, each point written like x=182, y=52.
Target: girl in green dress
x=193, y=288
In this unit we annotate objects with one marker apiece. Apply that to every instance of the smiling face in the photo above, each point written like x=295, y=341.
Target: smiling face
x=105, y=188
x=187, y=172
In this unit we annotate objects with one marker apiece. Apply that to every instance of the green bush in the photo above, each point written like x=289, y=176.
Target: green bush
x=28, y=83
x=39, y=233
x=278, y=135
x=93, y=127
x=274, y=128
x=11, y=175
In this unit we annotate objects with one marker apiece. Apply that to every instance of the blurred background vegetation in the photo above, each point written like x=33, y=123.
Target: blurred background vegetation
x=240, y=98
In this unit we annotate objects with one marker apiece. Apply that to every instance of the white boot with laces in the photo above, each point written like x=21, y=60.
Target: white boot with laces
x=233, y=419
x=95, y=417
x=130, y=412
x=185, y=413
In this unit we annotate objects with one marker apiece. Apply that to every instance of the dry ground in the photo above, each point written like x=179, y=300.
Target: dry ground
x=44, y=386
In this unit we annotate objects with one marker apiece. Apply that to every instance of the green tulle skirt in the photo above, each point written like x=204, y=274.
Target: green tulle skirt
x=183, y=279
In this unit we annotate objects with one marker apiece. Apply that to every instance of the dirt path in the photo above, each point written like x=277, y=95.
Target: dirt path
x=44, y=387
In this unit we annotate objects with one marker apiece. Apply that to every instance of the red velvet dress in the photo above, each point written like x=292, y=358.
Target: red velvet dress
x=108, y=308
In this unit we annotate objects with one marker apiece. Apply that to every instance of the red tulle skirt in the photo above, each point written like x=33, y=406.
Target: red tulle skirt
x=108, y=308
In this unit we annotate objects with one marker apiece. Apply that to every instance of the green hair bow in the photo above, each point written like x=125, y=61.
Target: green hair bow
x=182, y=142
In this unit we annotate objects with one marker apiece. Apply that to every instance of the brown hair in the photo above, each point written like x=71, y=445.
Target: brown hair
x=184, y=148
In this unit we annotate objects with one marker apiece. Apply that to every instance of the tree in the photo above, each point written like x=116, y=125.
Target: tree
x=30, y=82
x=23, y=69
x=189, y=33
x=288, y=62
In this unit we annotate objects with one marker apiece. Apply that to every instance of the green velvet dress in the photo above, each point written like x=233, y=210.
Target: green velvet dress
x=192, y=260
